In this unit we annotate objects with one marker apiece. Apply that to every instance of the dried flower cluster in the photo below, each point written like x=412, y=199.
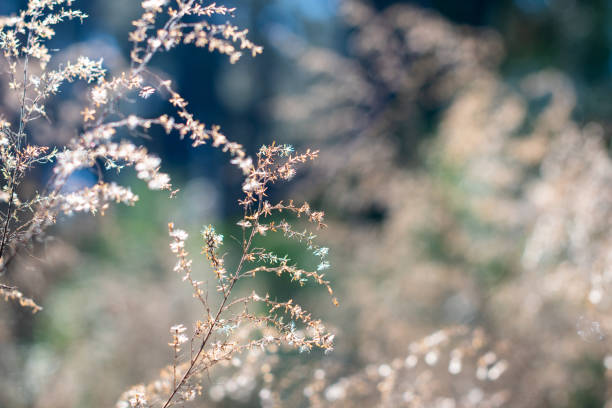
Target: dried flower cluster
x=11, y=293
x=263, y=322
x=101, y=144
x=239, y=324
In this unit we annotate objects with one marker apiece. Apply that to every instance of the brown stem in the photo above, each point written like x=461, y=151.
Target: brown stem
x=149, y=53
x=193, y=361
x=20, y=135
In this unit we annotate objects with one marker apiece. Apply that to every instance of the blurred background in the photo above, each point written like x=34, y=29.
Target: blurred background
x=466, y=178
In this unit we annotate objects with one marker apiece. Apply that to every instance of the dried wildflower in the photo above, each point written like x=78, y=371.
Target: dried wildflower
x=88, y=114
x=23, y=39
x=282, y=323
x=12, y=293
x=146, y=92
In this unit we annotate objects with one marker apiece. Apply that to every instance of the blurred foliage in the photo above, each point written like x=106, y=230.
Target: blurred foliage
x=104, y=260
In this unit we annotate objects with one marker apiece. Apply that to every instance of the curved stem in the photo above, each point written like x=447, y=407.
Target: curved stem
x=192, y=363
